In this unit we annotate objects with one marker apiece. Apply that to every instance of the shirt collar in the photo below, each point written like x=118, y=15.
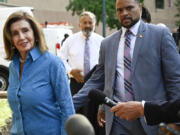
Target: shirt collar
x=35, y=53
x=85, y=37
x=133, y=29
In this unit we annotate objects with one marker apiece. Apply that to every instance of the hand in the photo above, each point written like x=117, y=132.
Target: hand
x=101, y=118
x=174, y=126
x=128, y=110
x=76, y=73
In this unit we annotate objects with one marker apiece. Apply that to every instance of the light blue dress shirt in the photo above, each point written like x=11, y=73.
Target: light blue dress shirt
x=41, y=100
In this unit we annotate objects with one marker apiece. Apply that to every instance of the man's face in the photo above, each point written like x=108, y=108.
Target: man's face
x=128, y=12
x=86, y=25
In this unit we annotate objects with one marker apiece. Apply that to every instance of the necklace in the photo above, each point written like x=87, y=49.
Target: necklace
x=22, y=60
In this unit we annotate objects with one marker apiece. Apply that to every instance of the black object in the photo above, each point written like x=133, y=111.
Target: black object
x=176, y=37
x=162, y=111
x=75, y=86
x=101, y=98
x=146, y=16
x=89, y=73
x=178, y=114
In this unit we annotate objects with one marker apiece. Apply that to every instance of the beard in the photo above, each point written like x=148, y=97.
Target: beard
x=132, y=22
x=87, y=31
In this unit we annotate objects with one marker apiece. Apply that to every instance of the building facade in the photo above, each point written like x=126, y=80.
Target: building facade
x=162, y=11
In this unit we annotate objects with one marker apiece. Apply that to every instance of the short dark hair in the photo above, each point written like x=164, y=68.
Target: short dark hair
x=146, y=16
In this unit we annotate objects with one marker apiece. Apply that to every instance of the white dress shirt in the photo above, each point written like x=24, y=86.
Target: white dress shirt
x=72, y=51
x=119, y=94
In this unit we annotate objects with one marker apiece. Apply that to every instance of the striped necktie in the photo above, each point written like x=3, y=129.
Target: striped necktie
x=86, y=57
x=129, y=95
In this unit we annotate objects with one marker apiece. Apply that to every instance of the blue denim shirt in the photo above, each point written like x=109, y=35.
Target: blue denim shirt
x=41, y=100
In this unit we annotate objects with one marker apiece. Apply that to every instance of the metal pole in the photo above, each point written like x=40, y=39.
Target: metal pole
x=104, y=17
x=169, y=14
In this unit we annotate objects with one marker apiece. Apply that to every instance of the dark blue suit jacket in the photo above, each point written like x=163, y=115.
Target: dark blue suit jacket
x=162, y=111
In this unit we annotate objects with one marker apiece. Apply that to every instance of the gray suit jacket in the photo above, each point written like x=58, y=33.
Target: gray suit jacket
x=155, y=70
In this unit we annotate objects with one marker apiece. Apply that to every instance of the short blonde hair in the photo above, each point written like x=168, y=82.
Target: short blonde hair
x=36, y=27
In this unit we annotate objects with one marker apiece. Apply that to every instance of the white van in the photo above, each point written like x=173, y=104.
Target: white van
x=54, y=36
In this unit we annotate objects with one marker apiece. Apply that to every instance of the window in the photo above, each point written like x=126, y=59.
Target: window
x=160, y=4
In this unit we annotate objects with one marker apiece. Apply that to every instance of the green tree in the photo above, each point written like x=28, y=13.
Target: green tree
x=95, y=6
x=177, y=4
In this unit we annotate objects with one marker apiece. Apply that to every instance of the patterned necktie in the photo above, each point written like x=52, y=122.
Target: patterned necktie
x=127, y=68
x=86, y=57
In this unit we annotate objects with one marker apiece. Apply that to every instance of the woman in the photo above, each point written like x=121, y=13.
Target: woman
x=38, y=91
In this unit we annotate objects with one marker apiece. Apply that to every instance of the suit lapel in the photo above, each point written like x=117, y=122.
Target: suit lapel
x=138, y=44
x=115, y=48
x=114, y=53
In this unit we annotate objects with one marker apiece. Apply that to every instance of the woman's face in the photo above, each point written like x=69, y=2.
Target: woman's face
x=22, y=36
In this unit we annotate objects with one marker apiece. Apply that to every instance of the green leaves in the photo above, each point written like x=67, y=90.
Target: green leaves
x=95, y=6
x=142, y=1
x=177, y=4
